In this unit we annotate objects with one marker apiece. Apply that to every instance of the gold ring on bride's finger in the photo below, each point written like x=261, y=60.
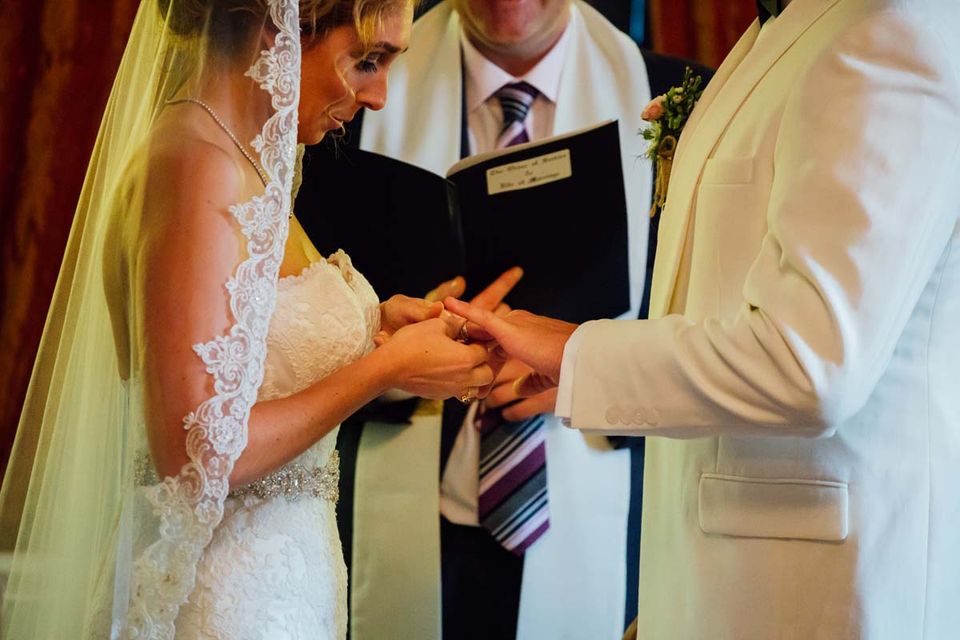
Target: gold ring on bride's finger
x=469, y=395
x=463, y=335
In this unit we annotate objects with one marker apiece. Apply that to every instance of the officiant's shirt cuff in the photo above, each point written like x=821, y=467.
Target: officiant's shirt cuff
x=564, y=408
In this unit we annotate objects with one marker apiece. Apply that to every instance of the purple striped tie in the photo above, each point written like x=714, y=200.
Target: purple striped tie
x=512, y=503
x=515, y=101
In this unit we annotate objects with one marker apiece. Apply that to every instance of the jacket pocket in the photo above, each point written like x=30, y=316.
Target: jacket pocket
x=773, y=507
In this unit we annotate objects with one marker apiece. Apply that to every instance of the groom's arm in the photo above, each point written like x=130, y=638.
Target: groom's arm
x=825, y=299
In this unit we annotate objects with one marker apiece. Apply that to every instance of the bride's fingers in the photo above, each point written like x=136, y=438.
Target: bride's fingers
x=453, y=324
x=479, y=357
x=425, y=310
x=411, y=310
x=491, y=297
x=477, y=333
x=481, y=377
x=381, y=338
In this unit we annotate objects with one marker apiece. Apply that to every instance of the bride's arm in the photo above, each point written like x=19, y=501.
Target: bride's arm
x=187, y=247
x=420, y=358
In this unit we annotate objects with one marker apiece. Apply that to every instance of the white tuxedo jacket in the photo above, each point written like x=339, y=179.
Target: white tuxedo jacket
x=805, y=367
x=575, y=575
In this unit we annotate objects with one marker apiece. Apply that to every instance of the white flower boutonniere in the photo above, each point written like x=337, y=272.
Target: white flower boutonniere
x=667, y=115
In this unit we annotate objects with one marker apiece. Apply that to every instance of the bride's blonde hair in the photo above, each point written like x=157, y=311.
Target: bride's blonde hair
x=226, y=20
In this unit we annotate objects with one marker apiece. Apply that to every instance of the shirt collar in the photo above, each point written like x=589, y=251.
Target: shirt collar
x=484, y=78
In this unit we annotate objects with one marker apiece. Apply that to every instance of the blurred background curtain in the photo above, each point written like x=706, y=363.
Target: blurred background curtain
x=57, y=60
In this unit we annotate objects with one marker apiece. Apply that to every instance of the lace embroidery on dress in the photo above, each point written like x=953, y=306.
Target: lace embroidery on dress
x=191, y=505
x=274, y=567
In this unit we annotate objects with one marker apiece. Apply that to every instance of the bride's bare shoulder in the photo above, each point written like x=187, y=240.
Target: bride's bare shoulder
x=188, y=170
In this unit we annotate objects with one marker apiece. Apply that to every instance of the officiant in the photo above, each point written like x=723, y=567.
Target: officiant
x=478, y=76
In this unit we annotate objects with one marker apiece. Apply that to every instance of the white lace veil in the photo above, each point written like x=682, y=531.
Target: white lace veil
x=102, y=548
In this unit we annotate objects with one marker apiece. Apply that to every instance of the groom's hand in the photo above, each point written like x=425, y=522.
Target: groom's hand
x=515, y=407
x=537, y=341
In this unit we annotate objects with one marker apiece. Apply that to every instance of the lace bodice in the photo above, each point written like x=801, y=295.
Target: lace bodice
x=274, y=567
x=325, y=318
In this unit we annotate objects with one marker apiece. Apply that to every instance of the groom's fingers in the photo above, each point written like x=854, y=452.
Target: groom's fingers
x=497, y=290
x=484, y=319
x=532, y=384
x=541, y=403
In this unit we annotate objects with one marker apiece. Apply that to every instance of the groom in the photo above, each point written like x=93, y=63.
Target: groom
x=577, y=580
x=801, y=370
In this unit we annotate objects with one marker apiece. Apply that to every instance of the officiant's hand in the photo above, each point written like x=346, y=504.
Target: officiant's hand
x=537, y=341
x=504, y=394
x=490, y=298
x=454, y=287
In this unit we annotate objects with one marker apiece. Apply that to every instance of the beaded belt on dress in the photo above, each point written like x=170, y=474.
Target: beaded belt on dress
x=296, y=481
x=292, y=481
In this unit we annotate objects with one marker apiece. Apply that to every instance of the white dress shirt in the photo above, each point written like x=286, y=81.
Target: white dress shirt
x=460, y=483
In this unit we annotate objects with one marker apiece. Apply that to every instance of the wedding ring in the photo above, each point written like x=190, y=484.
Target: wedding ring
x=469, y=395
x=463, y=335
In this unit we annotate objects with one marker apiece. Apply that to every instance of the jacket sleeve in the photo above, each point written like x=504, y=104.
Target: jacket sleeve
x=862, y=207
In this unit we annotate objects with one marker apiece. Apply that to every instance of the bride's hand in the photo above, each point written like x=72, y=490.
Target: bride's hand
x=400, y=310
x=427, y=360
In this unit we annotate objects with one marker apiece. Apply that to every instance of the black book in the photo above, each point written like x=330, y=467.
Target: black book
x=555, y=207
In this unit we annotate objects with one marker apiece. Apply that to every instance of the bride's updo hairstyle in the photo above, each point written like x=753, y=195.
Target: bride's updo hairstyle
x=226, y=22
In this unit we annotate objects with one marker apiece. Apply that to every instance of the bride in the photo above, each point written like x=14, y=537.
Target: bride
x=174, y=473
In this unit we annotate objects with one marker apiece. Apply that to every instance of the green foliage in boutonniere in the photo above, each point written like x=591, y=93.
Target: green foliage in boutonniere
x=667, y=115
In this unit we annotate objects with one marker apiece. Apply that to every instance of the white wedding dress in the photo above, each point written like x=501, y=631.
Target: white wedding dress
x=274, y=568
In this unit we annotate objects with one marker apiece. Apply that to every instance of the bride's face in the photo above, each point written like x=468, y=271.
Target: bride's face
x=339, y=76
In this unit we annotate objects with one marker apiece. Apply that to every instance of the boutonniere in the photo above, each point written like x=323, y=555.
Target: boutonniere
x=667, y=115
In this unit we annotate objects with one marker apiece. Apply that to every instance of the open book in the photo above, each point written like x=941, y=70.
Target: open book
x=555, y=207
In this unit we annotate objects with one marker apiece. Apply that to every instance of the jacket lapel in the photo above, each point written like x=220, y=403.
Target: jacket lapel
x=747, y=64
